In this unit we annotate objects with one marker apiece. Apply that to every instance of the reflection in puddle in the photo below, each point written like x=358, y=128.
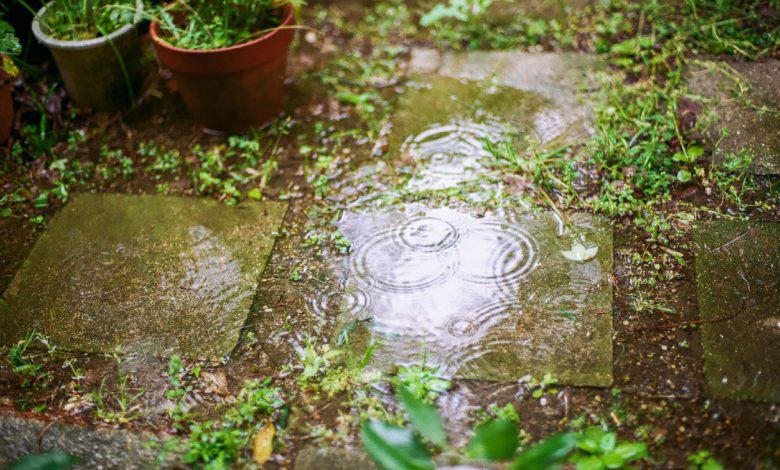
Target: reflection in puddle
x=435, y=285
x=451, y=153
x=481, y=297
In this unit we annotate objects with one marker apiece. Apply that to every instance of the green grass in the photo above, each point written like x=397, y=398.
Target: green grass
x=207, y=24
x=69, y=20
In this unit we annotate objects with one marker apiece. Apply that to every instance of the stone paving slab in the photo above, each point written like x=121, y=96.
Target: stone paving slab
x=736, y=123
x=332, y=458
x=490, y=298
x=457, y=101
x=151, y=274
x=441, y=126
x=504, y=11
x=738, y=290
x=97, y=448
x=556, y=76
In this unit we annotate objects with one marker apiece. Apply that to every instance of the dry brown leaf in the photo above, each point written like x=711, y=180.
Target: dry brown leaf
x=215, y=382
x=263, y=444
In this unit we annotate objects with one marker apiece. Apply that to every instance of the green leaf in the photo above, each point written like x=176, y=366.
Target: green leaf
x=695, y=152
x=255, y=194
x=494, y=440
x=394, y=448
x=683, y=176
x=54, y=460
x=423, y=417
x=632, y=451
x=607, y=442
x=547, y=453
x=712, y=464
x=590, y=441
x=590, y=463
x=613, y=460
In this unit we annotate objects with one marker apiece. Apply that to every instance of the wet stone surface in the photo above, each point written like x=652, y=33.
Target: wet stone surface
x=442, y=123
x=739, y=121
x=151, y=274
x=505, y=11
x=95, y=447
x=562, y=115
x=738, y=290
x=482, y=297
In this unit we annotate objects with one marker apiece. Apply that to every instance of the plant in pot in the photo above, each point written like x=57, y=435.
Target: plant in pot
x=228, y=58
x=9, y=45
x=96, y=47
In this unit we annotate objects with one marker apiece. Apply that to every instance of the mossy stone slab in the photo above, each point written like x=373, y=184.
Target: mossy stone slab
x=149, y=274
x=95, y=447
x=738, y=290
x=456, y=101
x=488, y=298
x=736, y=120
x=507, y=11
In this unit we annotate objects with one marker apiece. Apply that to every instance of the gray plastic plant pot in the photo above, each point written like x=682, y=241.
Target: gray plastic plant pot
x=103, y=73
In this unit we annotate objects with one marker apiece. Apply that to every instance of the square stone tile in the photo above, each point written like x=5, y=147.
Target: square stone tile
x=506, y=11
x=488, y=298
x=738, y=124
x=456, y=101
x=738, y=290
x=151, y=274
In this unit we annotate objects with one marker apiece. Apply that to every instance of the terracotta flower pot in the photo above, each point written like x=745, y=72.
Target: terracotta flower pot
x=232, y=89
x=6, y=106
x=102, y=73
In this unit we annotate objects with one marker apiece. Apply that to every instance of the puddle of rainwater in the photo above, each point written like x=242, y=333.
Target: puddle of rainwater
x=441, y=126
x=489, y=297
x=448, y=154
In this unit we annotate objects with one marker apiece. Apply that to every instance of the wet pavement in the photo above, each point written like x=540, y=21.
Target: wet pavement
x=489, y=297
x=96, y=447
x=737, y=266
x=446, y=265
x=146, y=274
x=744, y=101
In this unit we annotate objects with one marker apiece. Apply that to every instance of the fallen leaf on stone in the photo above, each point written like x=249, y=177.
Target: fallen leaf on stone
x=215, y=382
x=580, y=253
x=263, y=444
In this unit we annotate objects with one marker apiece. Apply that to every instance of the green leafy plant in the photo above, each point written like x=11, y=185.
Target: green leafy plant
x=30, y=363
x=599, y=449
x=207, y=24
x=120, y=406
x=426, y=383
x=9, y=45
x=218, y=444
x=395, y=447
x=243, y=160
x=466, y=11
x=703, y=460
x=69, y=20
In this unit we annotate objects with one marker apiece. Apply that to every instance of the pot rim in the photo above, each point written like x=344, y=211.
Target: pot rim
x=160, y=42
x=48, y=41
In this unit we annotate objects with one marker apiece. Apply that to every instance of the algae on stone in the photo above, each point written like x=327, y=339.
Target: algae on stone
x=94, y=446
x=441, y=126
x=150, y=274
x=738, y=290
x=456, y=100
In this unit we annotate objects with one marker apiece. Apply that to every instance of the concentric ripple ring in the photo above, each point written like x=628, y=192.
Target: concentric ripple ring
x=382, y=262
x=427, y=234
x=493, y=252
